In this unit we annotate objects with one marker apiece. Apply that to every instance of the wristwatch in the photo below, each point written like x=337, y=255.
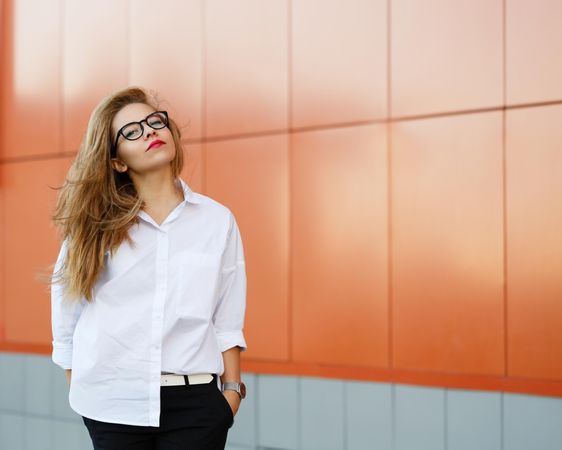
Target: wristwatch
x=240, y=388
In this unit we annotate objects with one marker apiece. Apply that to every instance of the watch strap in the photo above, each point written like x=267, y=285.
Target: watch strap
x=231, y=385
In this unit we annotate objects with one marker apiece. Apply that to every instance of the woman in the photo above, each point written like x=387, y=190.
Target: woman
x=149, y=299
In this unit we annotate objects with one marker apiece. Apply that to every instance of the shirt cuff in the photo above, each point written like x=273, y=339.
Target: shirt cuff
x=62, y=355
x=229, y=339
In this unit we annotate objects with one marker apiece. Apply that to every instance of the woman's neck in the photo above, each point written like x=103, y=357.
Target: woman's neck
x=158, y=190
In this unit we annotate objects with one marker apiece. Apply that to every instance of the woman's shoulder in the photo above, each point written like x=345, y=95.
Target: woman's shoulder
x=213, y=205
x=207, y=201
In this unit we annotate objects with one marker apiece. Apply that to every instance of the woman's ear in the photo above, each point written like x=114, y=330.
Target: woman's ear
x=118, y=165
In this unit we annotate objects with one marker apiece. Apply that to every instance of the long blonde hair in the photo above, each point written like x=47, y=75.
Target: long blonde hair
x=97, y=205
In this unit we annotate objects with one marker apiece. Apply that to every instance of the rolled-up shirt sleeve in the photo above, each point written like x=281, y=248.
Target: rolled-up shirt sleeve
x=64, y=316
x=228, y=318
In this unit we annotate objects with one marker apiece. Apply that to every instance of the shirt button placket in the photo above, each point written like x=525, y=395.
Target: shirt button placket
x=161, y=269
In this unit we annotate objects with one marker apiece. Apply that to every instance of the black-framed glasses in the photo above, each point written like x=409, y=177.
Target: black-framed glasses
x=134, y=130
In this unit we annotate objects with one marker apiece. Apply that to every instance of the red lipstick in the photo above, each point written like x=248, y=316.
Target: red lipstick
x=156, y=142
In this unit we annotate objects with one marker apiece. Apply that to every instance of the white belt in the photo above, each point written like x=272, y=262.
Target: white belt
x=172, y=379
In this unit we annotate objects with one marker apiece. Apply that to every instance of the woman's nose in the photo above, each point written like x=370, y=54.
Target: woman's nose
x=149, y=132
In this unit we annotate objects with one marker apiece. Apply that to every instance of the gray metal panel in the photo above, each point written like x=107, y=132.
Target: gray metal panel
x=12, y=387
x=38, y=433
x=532, y=422
x=278, y=411
x=37, y=379
x=474, y=420
x=419, y=418
x=322, y=414
x=368, y=415
x=71, y=435
x=11, y=431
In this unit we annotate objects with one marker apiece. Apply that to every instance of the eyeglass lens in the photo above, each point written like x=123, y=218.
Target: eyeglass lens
x=155, y=120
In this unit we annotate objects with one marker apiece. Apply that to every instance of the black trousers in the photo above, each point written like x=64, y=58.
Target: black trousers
x=192, y=417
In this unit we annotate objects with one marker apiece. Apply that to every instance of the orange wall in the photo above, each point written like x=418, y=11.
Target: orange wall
x=394, y=166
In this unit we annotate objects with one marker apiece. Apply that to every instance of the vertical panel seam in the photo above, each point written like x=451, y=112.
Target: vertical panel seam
x=290, y=328
x=393, y=416
x=257, y=424
x=61, y=126
x=445, y=419
x=203, y=75
x=504, y=52
x=502, y=421
x=25, y=412
x=299, y=412
x=390, y=349
x=344, y=414
x=129, y=41
x=289, y=65
x=504, y=188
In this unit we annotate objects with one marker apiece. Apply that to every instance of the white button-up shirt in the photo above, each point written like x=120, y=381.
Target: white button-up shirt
x=170, y=303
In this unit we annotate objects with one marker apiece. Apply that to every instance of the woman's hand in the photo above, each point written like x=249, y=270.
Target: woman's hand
x=68, y=373
x=233, y=400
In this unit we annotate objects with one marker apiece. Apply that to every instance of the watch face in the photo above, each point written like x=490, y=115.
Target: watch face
x=242, y=390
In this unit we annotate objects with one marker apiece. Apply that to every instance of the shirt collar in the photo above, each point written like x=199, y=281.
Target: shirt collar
x=188, y=194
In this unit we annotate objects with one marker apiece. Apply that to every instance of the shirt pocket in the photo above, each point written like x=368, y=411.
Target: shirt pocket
x=197, y=278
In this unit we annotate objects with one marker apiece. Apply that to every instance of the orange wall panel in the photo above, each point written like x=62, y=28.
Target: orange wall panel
x=446, y=55
x=447, y=244
x=534, y=242
x=31, y=103
x=4, y=56
x=245, y=66
x=30, y=248
x=250, y=176
x=166, y=55
x=339, y=61
x=339, y=246
x=3, y=256
x=193, y=166
x=95, y=60
x=533, y=49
